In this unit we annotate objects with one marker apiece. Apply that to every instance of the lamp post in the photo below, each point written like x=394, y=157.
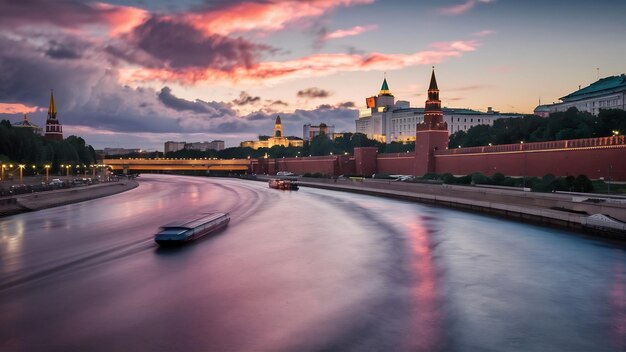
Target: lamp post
x=2, y=176
x=47, y=167
x=67, y=169
x=21, y=167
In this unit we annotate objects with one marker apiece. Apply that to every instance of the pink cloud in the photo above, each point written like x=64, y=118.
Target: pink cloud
x=8, y=108
x=310, y=66
x=271, y=15
x=462, y=8
x=342, y=33
x=70, y=15
x=484, y=33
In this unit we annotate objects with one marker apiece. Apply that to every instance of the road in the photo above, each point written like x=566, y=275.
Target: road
x=298, y=271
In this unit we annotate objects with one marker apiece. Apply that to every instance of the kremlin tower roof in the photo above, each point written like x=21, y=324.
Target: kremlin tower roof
x=278, y=122
x=384, y=89
x=433, y=81
x=54, y=130
x=52, y=109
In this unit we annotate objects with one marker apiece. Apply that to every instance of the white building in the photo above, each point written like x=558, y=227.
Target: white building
x=171, y=146
x=309, y=131
x=388, y=122
x=606, y=93
x=204, y=146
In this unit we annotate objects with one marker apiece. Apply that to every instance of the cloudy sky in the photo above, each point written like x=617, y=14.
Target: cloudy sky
x=137, y=73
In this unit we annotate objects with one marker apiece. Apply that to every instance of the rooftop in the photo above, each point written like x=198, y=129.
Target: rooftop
x=605, y=85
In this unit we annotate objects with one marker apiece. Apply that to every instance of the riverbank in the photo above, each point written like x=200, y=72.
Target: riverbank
x=572, y=212
x=42, y=200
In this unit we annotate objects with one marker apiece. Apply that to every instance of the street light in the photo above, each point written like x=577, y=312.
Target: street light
x=21, y=166
x=2, y=176
x=47, y=172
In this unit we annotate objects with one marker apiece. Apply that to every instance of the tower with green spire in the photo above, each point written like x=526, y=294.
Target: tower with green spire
x=384, y=90
x=385, y=99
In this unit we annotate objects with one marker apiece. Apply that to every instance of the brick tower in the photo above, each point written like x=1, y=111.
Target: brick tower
x=432, y=134
x=54, y=130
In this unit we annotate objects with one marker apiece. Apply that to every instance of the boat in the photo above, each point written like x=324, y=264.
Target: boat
x=190, y=229
x=285, y=185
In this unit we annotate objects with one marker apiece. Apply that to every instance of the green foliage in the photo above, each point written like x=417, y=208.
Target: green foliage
x=571, y=124
x=21, y=145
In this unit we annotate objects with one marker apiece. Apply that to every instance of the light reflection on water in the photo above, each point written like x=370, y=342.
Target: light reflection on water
x=426, y=308
x=618, y=300
x=11, y=241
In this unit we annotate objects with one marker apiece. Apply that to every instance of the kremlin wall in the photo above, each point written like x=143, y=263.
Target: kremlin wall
x=595, y=157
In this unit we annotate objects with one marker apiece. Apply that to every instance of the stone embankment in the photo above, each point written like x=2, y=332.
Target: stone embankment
x=41, y=200
x=572, y=211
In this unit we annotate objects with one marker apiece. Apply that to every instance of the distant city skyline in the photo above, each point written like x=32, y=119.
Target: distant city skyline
x=134, y=74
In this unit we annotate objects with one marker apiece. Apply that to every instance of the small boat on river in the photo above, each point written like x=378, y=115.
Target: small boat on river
x=285, y=185
x=191, y=229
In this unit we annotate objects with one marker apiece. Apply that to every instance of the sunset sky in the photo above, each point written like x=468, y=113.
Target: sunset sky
x=135, y=74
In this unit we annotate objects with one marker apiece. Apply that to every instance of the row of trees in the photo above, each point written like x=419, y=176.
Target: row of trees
x=547, y=183
x=21, y=145
x=320, y=145
x=571, y=124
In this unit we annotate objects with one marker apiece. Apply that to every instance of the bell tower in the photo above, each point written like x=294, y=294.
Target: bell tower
x=54, y=130
x=432, y=134
x=278, y=128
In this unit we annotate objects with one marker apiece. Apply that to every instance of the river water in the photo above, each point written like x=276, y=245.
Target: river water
x=301, y=271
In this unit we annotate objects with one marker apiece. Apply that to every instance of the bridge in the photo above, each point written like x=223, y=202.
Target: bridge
x=168, y=164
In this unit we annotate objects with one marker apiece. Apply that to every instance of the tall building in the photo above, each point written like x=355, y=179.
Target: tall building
x=277, y=138
x=432, y=133
x=606, y=93
x=27, y=124
x=54, y=130
x=171, y=146
x=204, y=146
x=309, y=131
x=389, y=121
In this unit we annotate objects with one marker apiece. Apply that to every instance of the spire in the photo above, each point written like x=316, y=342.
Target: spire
x=384, y=90
x=25, y=117
x=278, y=122
x=433, y=81
x=52, y=110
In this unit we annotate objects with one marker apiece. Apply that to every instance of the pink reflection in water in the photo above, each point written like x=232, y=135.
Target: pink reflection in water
x=425, y=311
x=618, y=301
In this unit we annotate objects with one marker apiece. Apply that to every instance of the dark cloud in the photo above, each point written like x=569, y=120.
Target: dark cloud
x=179, y=45
x=178, y=104
x=279, y=102
x=313, y=93
x=245, y=99
x=325, y=107
x=65, y=14
x=70, y=50
x=347, y=105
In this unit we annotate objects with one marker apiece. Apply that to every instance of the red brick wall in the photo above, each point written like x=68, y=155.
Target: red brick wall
x=396, y=163
x=365, y=160
x=595, y=162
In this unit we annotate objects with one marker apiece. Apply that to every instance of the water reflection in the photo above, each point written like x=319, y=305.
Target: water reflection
x=11, y=241
x=618, y=301
x=426, y=307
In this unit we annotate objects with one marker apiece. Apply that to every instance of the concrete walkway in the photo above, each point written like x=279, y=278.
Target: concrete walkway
x=563, y=210
x=42, y=200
